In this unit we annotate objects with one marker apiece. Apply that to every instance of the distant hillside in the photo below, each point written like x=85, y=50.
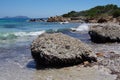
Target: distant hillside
x=23, y=17
x=98, y=11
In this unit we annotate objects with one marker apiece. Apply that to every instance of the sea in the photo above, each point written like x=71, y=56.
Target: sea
x=16, y=36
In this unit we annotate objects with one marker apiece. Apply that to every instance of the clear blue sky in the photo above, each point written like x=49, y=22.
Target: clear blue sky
x=46, y=8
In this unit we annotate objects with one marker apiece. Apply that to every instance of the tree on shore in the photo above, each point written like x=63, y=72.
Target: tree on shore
x=108, y=10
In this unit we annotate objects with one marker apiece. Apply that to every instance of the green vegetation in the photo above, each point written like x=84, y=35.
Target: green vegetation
x=116, y=13
x=107, y=10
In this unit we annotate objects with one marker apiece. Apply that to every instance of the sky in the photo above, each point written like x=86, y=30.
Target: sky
x=47, y=8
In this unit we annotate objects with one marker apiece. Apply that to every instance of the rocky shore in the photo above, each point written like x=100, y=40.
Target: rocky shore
x=37, y=20
x=108, y=56
x=106, y=67
x=82, y=19
x=57, y=49
x=58, y=19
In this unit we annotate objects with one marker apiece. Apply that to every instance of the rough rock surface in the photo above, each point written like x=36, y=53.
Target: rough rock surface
x=111, y=60
x=103, y=33
x=58, y=49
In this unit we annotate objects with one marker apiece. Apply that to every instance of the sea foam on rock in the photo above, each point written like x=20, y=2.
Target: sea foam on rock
x=57, y=49
x=82, y=27
x=103, y=33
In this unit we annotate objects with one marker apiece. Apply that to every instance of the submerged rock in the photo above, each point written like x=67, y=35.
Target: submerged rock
x=103, y=33
x=58, y=49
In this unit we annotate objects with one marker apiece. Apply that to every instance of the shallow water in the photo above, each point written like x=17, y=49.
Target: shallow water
x=17, y=63
x=16, y=36
x=14, y=61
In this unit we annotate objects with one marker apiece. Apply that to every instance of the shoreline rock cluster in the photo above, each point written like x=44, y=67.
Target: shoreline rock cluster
x=82, y=19
x=37, y=20
x=60, y=50
x=58, y=19
x=107, y=33
x=57, y=49
x=67, y=19
x=108, y=19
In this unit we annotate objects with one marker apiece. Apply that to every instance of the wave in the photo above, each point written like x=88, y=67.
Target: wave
x=21, y=34
x=82, y=27
x=14, y=35
x=64, y=22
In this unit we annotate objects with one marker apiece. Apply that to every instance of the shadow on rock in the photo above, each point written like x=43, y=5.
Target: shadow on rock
x=42, y=64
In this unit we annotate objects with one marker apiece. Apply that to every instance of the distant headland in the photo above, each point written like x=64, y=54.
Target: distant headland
x=98, y=14
x=98, y=11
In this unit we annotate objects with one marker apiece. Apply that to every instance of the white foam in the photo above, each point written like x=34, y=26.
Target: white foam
x=21, y=34
x=82, y=27
x=64, y=22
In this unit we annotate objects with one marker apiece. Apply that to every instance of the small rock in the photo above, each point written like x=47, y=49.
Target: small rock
x=103, y=33
x=99, y=54
x=86, y=63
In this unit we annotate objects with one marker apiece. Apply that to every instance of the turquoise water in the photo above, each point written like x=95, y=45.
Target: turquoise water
x=15, y=30
x=7, y=25
x=16, y=36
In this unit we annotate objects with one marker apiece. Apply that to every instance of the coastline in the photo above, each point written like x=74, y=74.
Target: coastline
x=20, y=62
x=60, y=40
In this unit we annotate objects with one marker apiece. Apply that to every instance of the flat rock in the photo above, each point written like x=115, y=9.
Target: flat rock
x=103, y=33
x=57, y=49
